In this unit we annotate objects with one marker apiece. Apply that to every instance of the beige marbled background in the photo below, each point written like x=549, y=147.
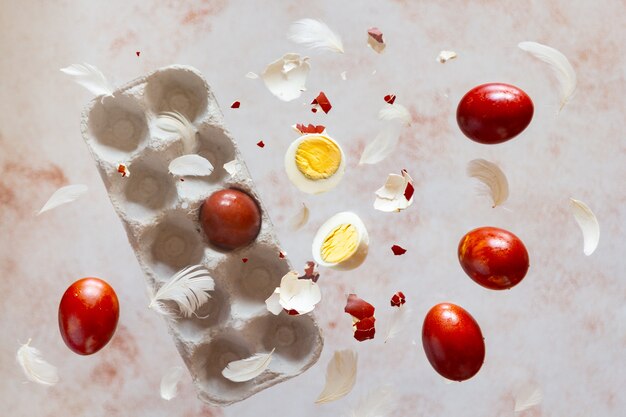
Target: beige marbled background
x=562, y=328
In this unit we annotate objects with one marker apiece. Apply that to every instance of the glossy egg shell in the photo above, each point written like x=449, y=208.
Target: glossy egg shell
x=453, y=342
x=88, y=315
x=494, y=113
x=230, y=218
x=494, y=258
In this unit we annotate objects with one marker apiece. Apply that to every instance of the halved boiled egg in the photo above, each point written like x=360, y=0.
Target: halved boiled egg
x=341, y=242
x=315, y=163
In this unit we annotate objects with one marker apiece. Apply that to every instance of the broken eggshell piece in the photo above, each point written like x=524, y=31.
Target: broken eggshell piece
x=341, y=242
x=286, y=77
x=396, y=194
x=315, y=163
x=363, y=320
x=294, y=294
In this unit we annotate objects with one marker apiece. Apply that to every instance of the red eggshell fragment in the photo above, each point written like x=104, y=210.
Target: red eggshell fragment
x=398, y=250
x=322, y=101
x=359, y=308
x=88, y=315
x=364, y=329
x=260, y=144
x=494, y=258
x=398, y=299
x=390, y=98
x=235, y=105
x=453, y=342
x=304, y=129
x=494, y=113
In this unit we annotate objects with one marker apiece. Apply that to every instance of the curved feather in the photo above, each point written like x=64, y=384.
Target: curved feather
x=315, y=35
x=529, y=397
x=189, y=289
x=340, y=376
x=492, y=176
x=395, y=112
x=560, y=65
x=300, y=218
x=588, y=224
x=175, y=122
x=64, y=195
x=35, y=367
x=377, y=403
x=89, y=77
x=382, y=146
x=246, y=369
x=190, y=165
x=169, y=382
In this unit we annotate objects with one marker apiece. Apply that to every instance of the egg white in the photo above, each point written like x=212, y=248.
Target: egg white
x=358, y=256
x=305, y=184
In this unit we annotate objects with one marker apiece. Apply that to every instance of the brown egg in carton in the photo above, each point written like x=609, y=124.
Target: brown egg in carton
x=161, y=216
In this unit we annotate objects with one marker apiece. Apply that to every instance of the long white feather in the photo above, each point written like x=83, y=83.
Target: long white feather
x=190, y=165
x=529, y=397
x=588, y=224
x=559, y=64
x=315, y=35
x=492, y=176
x=399, y=321
x=89, y=77
x=174, y=122
x=340, y=376
x=382, y=146
x=35, y=367
x=300, y=218
x=395, y=112
x=64, y=195
x=169, y=382
x=377, y=403
x=246, y=369
x=189, y=289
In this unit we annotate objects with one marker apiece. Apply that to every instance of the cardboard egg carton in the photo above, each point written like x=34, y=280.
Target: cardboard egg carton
x=161, y=216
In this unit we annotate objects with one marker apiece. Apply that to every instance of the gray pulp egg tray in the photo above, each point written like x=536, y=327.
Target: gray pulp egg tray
x=161, y=216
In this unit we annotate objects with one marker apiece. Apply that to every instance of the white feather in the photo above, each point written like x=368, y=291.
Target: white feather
x=190, y=165
x=246, y=369
x=251, y=75
x=64, y=195
x=300, y=218
x=89, y=77
x=529, y=397
x=559, y=64
x=377, y=403
x=315, y=35
x=395, y=112
x=169, y=382
x=35, y=368
x=398, y=322
x=492, y=176
x=340, y=376
x=588, y=225
x=174, y=122
x=382, y=146
x=189, y=289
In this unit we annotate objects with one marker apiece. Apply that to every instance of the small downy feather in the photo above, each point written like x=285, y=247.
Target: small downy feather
x=340, y=376
x=189, y=289
x=89, y=77
x=492, y=176
x=174, y=122
x=35, y=367
x=399, y=321
x=395, y=112
x=377, y=403
x=588, y=224
x=246, y=369
x=528, y=397
x=64, y=195
x=315, y=35
x=382, y=146
x=300, y=219
x=559, y=64
x=169, y=382
x=190, y=165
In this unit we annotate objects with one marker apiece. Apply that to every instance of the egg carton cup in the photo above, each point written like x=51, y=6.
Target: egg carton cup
x=161, y=216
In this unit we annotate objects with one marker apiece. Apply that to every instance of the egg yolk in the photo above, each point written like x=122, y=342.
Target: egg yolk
x=340, y=243
x=318, y=158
